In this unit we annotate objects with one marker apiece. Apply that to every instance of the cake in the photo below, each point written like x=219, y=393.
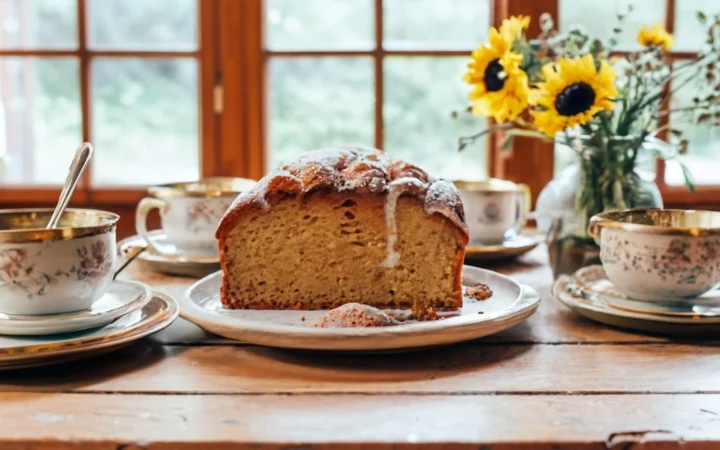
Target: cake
x=344, y=225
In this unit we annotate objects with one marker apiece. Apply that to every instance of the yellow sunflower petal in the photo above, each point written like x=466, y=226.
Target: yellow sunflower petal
x=655, y=36
x=512, y=27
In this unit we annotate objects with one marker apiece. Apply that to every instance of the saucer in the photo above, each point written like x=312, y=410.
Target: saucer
x=27, y=351
x=187, y=262
x=122, y=297
x=510, y=304
x=511, y=248
x=592, y=282
x=567, y=290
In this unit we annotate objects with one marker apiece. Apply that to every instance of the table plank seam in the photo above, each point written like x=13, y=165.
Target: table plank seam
x=467, y=344
x=399, y=393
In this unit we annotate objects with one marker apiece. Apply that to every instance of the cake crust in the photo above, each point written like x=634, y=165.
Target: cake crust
x=347, y=169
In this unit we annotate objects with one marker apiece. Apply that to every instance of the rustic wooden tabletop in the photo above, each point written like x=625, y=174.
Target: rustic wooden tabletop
x=556, y=381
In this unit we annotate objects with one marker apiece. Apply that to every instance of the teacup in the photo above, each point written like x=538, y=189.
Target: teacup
x=495, y=210
x=55, y=271
x=659, y=254
x=189, y=212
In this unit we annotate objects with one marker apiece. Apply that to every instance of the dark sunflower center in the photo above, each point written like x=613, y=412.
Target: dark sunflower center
x=574, y=99
x=492, y=79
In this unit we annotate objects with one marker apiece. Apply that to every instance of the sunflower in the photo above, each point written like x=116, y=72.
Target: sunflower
x=655, y=36
x=513, y=26
x=572, y=93
x=500, y=86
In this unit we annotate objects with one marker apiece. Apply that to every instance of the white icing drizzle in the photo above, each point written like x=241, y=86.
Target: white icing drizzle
x=395, y=189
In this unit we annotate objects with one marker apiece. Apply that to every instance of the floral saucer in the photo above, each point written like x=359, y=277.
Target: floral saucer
x=592, y=282
x=175, y=261
x=121, y=298
x=512, y=247
x=586, y=294
x=20, y=352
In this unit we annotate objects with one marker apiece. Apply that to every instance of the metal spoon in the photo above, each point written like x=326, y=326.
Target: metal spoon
x=82, y=156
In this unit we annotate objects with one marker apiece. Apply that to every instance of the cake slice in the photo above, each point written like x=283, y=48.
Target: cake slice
x=344, y=225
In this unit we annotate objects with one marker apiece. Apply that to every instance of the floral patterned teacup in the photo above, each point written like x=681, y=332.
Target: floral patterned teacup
x=495, y=210
x=55, y=271
x=189, y=212
x=659, y=255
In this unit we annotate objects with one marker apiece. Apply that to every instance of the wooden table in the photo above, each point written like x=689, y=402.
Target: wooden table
x=554, y=382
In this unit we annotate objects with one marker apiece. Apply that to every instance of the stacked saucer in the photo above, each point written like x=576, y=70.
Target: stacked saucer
x=20, y=352
x=123, y=297
x=166, y=257
x=511, y=247
x=591, y=294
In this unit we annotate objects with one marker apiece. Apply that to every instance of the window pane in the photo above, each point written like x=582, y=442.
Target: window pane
x=143, y=24
x=38, y=24
x=598, y=18
x=420, y=95
x=320, y=24
x=459, y=24
x=703, y=157
x=690, y=34
x=145, y=120
x=40, y=120
x=319, y=102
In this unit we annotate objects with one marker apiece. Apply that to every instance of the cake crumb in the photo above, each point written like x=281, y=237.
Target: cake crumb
x=355, y=315
x=479, y=292
x=302, y=318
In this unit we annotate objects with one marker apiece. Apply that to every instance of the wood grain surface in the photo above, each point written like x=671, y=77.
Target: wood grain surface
x=554, y=382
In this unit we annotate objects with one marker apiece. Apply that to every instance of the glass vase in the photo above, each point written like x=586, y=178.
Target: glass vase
x=610, y=173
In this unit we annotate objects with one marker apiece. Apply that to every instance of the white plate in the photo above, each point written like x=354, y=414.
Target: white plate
x=176, y=261
x=510, y=304
x=27, y=351
x=121, y=298
x=511, y=248
x=603, y=312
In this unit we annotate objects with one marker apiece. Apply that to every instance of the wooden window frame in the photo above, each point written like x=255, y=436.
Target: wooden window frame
x=16, y=195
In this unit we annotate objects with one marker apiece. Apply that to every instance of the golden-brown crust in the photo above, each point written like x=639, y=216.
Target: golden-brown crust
x=350, y=169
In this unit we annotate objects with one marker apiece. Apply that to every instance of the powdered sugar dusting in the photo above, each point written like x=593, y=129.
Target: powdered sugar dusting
x=354, y=170
x=442, y=198
x=355, y=315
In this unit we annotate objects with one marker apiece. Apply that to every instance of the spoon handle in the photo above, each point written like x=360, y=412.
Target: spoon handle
x=82, y=156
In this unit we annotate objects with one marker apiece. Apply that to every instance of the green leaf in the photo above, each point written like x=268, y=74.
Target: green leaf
x=688, y=177
x=701, y=16
x=508, y=143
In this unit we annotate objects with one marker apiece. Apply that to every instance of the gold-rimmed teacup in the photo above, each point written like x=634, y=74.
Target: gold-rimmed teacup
x=495, y=210
x=59, y=270
x=659, y=254
x=189, y=211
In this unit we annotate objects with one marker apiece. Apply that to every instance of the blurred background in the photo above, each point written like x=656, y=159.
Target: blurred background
x=171, y=90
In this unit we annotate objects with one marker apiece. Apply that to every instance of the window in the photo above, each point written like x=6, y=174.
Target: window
x=385, y=73
x=123, y=74
x=175, y=89
x=679, y=18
